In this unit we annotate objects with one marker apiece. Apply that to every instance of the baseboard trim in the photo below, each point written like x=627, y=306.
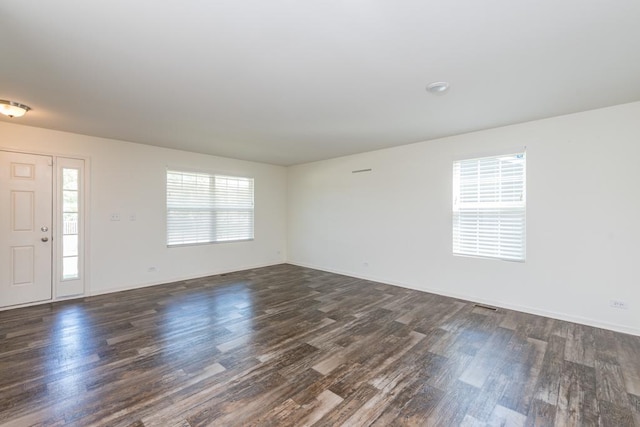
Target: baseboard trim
x=179, y=279
x=139, y=286
x=525, y=309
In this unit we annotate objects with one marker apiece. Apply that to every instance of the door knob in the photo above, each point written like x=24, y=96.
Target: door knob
x=45, y=239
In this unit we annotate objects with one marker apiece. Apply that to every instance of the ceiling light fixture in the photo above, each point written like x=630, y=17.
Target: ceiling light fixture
x=438, y=88
x=13, y=109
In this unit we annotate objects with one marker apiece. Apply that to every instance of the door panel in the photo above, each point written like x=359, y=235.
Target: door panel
x=22, y=265
x=22, y=210
x=25, y=228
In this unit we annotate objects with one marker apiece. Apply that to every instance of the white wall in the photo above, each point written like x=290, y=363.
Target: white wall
x=583, y=205
x=129, y=178
x=394, y=224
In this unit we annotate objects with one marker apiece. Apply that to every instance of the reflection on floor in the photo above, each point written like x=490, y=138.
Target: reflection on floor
x=286, y=345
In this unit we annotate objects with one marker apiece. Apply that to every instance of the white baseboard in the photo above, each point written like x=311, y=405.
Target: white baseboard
x=525, y=309
x=139, y=286
x=178, y=279
x=531, y=310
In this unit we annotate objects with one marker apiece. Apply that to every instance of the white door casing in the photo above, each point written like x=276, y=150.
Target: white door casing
x=26, y=199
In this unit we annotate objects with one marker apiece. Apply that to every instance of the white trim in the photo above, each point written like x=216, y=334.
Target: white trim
x=217, y=242
x=183, y=278
x=525, y=309
x=55, y=155
x=145, y=285
x=490, y=153
x=202, y=199
x=73, y=286
x=492, y=228
x=216, y=171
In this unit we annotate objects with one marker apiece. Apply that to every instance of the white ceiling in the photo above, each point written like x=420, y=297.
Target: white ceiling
x=290, y=81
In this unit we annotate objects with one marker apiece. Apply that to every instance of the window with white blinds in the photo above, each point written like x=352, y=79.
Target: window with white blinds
x=205, y=208
x=489, y=207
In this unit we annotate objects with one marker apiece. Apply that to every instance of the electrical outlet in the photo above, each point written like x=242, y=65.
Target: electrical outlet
x=115, y=217
x=618, y=304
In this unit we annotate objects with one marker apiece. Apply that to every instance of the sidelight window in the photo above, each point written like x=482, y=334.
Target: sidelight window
x=70, y=223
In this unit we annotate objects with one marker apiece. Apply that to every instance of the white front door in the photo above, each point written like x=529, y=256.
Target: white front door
x=26, y=200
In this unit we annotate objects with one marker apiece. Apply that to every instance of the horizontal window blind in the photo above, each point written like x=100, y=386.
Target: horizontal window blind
x=205, y=208
x=489, y=207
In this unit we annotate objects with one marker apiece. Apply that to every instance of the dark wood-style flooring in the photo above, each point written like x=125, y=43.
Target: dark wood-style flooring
x=290, y=346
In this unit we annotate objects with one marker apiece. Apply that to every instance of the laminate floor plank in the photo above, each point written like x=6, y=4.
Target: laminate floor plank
x=628, y=350
x=541, y=414
x=548, y=386
x=577, y=403
x=523, y=369
x=580, y=347
x=291, y=346
x=347, y=407
x=634, y=404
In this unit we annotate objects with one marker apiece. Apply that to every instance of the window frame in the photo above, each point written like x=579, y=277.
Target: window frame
x=500, y=210
x=213, y=232
x=78, y=285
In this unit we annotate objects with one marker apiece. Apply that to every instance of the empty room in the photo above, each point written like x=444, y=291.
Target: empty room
x=331, y=213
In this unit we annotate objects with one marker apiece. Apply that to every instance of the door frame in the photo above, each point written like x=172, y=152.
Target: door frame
x=56, y=219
